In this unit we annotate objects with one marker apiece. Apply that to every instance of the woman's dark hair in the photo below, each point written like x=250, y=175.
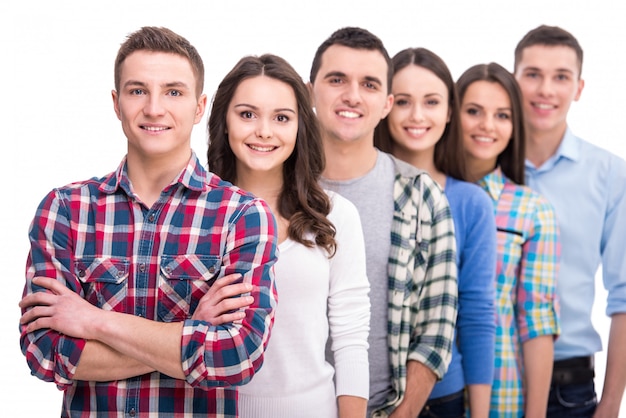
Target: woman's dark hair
x=449, y=154
x=511, y=160
x=302, y=200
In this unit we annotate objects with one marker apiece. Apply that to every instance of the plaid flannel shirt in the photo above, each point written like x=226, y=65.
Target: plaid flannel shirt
x=422, y=279
x=527, y=264
x=98, y=240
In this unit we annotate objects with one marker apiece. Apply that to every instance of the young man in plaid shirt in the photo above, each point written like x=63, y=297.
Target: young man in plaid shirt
x=406, y=219
x=113, y=307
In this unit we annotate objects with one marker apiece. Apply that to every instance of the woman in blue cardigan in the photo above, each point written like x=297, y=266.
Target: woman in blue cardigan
x=423, y=129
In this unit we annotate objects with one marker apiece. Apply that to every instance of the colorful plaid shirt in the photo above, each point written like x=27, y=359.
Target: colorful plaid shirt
x=527, y=264
x=101, y=242
x=422, y=279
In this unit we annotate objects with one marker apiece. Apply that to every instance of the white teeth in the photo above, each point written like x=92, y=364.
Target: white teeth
x=347, y=114
x=261, y=149
x=154, y=128
x=416, y=131
x=544, y=106
x=485, y=139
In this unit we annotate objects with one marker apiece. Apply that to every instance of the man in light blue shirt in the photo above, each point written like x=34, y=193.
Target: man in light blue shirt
x=587, y=187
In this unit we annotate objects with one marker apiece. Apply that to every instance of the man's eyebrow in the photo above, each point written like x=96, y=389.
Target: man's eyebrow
x=334, y=74
x=560, y=70
x=373, y=79
x=137, y=83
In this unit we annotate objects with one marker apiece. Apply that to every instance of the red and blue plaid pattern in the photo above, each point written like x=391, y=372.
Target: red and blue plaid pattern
x=101, y=242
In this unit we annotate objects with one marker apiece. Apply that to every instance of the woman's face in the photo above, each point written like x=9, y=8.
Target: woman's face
x=486, y=120
x=420, y=110
x=262, y=124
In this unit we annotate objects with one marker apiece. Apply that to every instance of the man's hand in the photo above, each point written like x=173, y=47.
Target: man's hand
x=219, y=305
x=58, y=308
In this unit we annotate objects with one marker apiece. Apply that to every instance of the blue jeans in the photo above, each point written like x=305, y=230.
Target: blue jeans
x=451, y=406
x=575, y=400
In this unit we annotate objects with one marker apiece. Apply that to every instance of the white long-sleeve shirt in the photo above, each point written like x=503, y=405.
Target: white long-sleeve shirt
x=317, y=297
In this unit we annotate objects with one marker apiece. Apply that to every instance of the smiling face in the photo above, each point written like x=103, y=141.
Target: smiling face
x=549, y=78
x=420, y=111
x=350, y=93
x=158, y=106
x=262, y=124
x=486, y=120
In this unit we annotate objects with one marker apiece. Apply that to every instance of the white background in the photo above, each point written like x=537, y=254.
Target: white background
x=58, y=123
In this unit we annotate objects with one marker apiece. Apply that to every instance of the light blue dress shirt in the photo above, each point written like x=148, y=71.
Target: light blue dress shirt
x=587, y=187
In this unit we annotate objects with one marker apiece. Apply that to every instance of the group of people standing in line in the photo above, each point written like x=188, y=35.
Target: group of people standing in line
x=339, y=258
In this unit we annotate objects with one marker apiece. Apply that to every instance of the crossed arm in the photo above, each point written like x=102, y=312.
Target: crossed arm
x=120, y=346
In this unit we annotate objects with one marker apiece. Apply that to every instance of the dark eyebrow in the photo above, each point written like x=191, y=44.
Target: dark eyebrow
x=340, y=74
x=280, y=109
x=481, y=107
x=334, y=74
x=136, y=83
x=560, y=70
x=373, y=79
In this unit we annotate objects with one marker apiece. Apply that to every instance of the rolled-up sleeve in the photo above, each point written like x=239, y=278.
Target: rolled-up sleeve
x=230, y=354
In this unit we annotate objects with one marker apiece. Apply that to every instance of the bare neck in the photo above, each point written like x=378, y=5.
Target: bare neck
x=424, y=160
x=150, y=176
x=542, y=145
x=267, y=186
x=345, y=161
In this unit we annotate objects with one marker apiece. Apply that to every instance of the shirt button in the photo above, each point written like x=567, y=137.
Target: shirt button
x=151, y=217
x=81, y=273
x=142, y=267
x=132, y=412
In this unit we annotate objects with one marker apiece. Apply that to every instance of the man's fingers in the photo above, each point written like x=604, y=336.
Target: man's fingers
x=36, y=299
x=50, y=284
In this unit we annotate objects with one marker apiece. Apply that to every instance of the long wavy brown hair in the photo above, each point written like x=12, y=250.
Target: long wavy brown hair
x=302, y=200
x=511, y=160
x=449, y=156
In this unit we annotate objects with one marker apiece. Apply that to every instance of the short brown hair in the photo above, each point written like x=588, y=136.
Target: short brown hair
x=549, y=36
x=158, y=39
x=355, y=38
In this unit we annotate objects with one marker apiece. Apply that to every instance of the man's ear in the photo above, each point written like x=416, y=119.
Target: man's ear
x=200, y=108
x=309, y=87
x=116, y=104
x=388, y=106
x=581, y=86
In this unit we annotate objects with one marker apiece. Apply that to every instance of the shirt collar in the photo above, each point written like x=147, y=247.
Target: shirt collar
x=569, y=148
x=493, y=183
x=193, y=177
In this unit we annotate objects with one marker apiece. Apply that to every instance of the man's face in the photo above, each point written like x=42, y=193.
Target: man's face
x=350, y=93
x=549, y=78
x=157, y=104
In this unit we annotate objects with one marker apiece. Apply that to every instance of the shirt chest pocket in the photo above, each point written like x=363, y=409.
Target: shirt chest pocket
x=104, y=281
x=510, y=242
x=183, y=280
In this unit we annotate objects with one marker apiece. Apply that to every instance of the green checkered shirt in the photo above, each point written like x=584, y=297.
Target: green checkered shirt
x=422, y=278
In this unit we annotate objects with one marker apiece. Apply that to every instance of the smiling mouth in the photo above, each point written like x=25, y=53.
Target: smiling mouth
x=416, y=131
x=261, y=149
x=544, y=106
x=484, y=139
x=155, y=128
x=348, y=114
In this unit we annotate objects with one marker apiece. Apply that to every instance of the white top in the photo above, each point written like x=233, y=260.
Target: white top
x=316, y=295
